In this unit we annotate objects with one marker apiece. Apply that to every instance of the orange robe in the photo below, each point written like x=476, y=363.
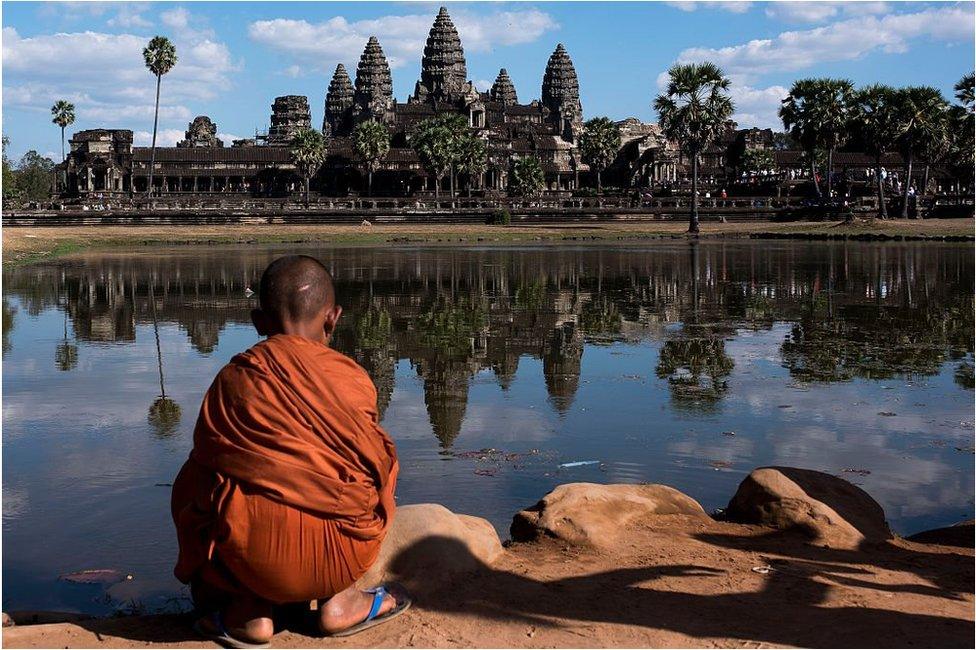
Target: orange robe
x=288, y=491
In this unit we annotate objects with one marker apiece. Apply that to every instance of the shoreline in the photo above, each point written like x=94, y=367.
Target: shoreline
x=26, y=245
x=800, y=558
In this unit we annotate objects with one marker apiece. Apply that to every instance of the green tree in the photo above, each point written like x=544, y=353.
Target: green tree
x=526, y=177
x=965, y=91
x=754, y=161
x=63, y=114
x=34, y=174
x=160, y=57
x=599, y=144
x=961, y=129
x=923, y=113
x=372, y=142
x=472, y=158
x=878, y=128
x=693, y=110
x=437, y=142
x=307, y=154
x=9, y=175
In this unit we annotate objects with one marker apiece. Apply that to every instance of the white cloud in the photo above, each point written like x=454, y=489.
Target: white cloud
x=758, y=106
x=105, y=76
x=228, y=138
x=821, y=10
x=693, y=5
x=130, y=16
x=843, y=40
x=483, y=85
x=402, y=37
x=177, y=18
x=164, y=137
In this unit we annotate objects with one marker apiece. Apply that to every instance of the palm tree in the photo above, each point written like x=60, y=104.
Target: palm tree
x=472, y=158
x=307, y=154
x=437, y=142
x=526, y=177
x=924, y=128
x=63, y=114
x=599, y=144
x=160, y=57
x=876, y=121
x=693, y=111
x=372, y=142
x=834, y=108
x=164, y=413
x=966, y=92
x=961, y=131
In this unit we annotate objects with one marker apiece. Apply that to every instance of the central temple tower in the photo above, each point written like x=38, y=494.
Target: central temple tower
x=443, y=75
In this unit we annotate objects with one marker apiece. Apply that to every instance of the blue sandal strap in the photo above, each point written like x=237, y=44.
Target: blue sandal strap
x=379, y=593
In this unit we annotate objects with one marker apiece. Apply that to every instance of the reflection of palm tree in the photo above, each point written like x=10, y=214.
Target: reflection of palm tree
x=164, y=414
x=66, y=355
x=7, y=323
x=697, y=369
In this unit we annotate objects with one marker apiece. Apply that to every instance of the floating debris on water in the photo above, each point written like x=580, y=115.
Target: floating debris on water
x=486, y=472
x=719, y=464
x=728, y=433
x=579, y=463
x=887, y=414
x=854, y=470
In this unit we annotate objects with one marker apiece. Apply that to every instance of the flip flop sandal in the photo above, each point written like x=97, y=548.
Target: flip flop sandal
x=372, y=620
x=212, y=627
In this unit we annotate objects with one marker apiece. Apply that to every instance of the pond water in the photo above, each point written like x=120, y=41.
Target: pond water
x=685, y=364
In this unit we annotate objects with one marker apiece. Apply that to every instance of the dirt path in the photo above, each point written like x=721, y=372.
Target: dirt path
x=23, y=245
x=682, y=582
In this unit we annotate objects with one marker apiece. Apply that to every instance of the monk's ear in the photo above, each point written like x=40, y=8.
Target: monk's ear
x=260, y=321
x=331, y=319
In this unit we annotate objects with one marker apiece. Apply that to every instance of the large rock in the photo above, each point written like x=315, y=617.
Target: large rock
x=427, y=545
x=960, y=534
x=827, y=509
x=588, y=513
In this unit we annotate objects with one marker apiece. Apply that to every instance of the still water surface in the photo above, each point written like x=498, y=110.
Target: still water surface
x=686, y=364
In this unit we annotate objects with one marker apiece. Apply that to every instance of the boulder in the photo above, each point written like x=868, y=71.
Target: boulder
x=825, y=508
x=593, y=514
x=960, y=535
x=428, y=545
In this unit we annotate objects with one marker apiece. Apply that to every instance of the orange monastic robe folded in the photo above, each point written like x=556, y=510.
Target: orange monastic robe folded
x=288, y=491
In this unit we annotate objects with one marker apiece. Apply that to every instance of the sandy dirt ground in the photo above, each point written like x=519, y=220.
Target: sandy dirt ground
x=22, y=245
x=677, y=581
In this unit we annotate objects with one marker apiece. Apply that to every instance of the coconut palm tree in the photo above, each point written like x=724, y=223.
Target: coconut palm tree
x=877, y=124
x=599, y=143
x=472, y=158
x=372, y=142
x=923, y=113
x=63, y=114
x=526, y=177
x=160, y=57
x=693, y=110
x=307, y=154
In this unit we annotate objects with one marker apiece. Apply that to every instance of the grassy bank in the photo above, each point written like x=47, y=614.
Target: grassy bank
x=26, y=245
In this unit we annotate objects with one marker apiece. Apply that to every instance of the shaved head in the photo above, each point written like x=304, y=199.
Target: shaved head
x=296, y=288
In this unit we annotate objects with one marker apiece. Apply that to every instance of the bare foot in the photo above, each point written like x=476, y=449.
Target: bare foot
x=350, y=607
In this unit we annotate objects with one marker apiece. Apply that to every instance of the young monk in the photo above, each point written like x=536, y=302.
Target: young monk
x=288, y=491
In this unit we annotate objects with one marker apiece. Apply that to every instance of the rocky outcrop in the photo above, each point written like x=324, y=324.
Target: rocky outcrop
x=961, y=535
x=592, y=514
x=427, y=545
x=829, y=510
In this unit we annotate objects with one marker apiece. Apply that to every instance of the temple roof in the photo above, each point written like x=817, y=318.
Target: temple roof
x=373, y=80
x=214, y=154
x=443, y=72
x=560, y=86
x=503, y=90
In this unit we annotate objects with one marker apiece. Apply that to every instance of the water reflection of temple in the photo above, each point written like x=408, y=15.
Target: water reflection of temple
x=856, y=310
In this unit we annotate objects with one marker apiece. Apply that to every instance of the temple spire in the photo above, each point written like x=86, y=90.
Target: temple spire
x=338, y=101
x=560, y=93
x=443, y=74
x=374, y=84
x=502, y=90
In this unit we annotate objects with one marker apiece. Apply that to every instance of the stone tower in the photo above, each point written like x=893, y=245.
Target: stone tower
x=289, y=115
x=443, y=75
x=560, y=94
x=201, y=132
x=338, y=103
x=502, y=90
x=374, y=84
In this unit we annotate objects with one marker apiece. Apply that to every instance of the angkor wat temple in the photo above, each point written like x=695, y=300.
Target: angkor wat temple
x=104, y=162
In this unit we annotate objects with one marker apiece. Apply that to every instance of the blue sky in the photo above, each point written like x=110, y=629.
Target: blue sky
x=235, y=57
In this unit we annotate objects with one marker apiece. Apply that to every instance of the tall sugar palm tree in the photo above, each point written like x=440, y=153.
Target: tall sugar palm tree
x=372, y=142
x=160, y=57
x=966, y=92
x=833, y=105
x=437, y=142
x=307, y=154
x=526, y=177
x=877, y=125
x=961, y=131
x=63, y=114
x=923, y=113
x=693, y=110
x=472, y=158
x=802, y=114
x=599, y=144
